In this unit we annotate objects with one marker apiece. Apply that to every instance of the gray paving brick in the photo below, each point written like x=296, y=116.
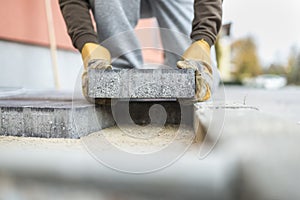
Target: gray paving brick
x=53, y=114
x=52, y=119
x=142, y=83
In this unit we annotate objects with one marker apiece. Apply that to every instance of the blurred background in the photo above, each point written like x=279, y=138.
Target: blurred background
x=263, y=39
x=258, y=45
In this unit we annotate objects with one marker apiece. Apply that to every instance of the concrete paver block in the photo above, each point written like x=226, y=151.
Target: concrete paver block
x=212, y=117
x=142, y=83
x=55, y=115
x=51, y=119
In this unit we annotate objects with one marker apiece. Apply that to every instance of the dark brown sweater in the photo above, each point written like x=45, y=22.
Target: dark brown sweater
x=206, y=24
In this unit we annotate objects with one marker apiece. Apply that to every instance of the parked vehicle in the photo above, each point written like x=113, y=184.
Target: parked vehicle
x=267, y=81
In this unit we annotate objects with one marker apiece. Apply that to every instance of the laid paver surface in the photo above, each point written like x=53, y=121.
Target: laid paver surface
x=254, y=157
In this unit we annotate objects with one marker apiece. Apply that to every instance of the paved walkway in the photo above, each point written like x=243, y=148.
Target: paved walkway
x=254, y=157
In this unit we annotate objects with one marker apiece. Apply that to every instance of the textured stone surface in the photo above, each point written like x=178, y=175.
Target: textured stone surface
x=53, y=114
x=142, y=83
x=51, y=119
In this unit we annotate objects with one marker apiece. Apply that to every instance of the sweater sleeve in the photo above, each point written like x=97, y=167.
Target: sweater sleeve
x=207, y=20
x=76, y=14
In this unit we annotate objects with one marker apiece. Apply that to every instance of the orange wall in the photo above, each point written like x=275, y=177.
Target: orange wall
x=25, y=21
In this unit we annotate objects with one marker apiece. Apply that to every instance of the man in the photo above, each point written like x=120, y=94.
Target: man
x=201, y=19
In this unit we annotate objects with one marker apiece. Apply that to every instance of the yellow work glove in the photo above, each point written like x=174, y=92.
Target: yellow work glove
x=197, y=57
x=94, y=56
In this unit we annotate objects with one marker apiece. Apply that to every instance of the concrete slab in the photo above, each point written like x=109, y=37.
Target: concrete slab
x=142, y=83
x=241, y=121
x=268, y=149
x=51, y=119
x=64, y=166
x=283, y=103
x=53, y=114
x=43, y=95
x=211, y=117
x=266, y=146
x=256, y=157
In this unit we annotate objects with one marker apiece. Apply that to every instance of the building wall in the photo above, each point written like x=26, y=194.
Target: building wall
x=25, y=21
x=27, y=66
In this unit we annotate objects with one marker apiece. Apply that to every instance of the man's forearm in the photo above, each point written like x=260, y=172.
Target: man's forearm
x=207, y=21
x=78, y=20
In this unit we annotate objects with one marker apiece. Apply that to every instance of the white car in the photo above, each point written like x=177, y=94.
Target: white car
x=270, y=81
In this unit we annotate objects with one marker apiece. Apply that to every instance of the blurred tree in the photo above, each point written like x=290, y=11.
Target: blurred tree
x=245, y=58
x=294, y=68
x=277, y=69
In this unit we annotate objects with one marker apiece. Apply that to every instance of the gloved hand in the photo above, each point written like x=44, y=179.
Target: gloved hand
x=197, y=57
x=94, y=56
